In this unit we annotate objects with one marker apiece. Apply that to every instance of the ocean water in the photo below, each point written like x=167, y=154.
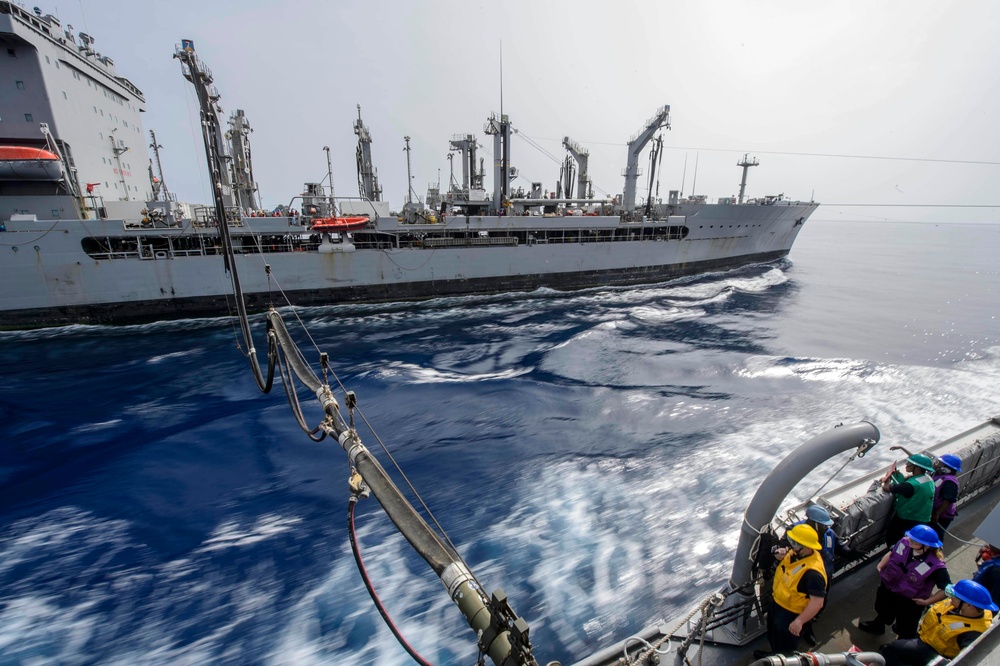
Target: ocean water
x=590, y=452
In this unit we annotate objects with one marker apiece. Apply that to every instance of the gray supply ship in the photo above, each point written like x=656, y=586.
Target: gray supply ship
x=93, y=235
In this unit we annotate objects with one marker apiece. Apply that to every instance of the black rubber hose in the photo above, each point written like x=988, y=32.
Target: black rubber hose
x=292, y=354
x=402, y=514
x=293, y=402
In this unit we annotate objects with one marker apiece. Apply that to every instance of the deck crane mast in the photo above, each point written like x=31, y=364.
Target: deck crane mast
x=582, y=157
x=635, y=146
x=241, y=162
x=368, y=186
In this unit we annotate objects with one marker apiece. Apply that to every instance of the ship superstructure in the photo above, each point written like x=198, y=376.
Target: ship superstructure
x=56, y=78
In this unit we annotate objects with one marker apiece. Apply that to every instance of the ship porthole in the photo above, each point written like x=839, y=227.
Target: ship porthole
x=14, y=248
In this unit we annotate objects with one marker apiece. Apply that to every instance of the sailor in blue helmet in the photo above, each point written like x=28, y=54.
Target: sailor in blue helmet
x=988, y=572
x=945, y=492
x=948, y=627
x=819, y=519
x=909, y=573
x=914, y=496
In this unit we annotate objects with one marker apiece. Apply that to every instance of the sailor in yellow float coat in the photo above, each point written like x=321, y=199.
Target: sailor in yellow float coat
x=948, y=626
x=799, y=589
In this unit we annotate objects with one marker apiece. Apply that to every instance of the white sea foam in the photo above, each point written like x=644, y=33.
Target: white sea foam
x=95, y=427
x=649, y=313
x=421, y=375
x=233, y=535
x=152, y=360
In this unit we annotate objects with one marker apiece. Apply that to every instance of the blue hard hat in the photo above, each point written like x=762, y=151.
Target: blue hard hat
x=924, y=535
x=973, y=594
x=818, y=514
x=951, y=461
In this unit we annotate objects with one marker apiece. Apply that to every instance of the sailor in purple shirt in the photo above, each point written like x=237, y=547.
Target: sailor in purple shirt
x=909, y=571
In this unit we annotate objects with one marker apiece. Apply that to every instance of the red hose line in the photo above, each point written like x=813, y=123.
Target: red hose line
x=371, y=590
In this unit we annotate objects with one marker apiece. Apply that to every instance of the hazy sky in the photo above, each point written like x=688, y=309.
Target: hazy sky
x=911, y=79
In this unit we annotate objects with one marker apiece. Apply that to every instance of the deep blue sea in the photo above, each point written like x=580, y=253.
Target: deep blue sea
x=590, y=452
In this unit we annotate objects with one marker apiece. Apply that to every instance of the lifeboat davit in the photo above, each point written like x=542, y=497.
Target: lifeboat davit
x=27, y=163
x=338, y=224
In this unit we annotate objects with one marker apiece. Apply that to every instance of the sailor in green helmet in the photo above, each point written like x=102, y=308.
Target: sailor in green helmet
x=914, y=496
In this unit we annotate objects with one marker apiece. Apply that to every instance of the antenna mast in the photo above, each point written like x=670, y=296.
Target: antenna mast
x=746, y=164
x=410, y=194
x=694, y=181
x=329, y=175
x=501, y=78
x=159, y=170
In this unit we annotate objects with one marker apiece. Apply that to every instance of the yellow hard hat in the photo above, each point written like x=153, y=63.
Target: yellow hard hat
x=804, y=535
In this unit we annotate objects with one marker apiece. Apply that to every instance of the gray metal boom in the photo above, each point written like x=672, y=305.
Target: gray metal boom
x=635, y=146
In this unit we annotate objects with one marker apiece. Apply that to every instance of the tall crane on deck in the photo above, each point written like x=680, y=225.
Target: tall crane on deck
x=635, y=146
x=368, y=186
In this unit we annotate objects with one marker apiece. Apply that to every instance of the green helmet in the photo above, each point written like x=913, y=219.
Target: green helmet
x=922, y=461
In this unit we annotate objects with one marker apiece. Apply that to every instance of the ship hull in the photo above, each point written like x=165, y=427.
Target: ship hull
x=55, y=280
x=139, y=311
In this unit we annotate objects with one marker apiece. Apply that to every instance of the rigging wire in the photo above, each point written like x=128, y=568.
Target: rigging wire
x=552, y=157
x=420, y=499
x=537, y=147
x=886, y=205
x=798, y=154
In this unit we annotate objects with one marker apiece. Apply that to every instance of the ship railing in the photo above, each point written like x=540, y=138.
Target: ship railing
x=188, y=253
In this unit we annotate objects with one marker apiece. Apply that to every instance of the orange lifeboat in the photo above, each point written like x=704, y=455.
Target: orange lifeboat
x=27, y=163
x=338, y=224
